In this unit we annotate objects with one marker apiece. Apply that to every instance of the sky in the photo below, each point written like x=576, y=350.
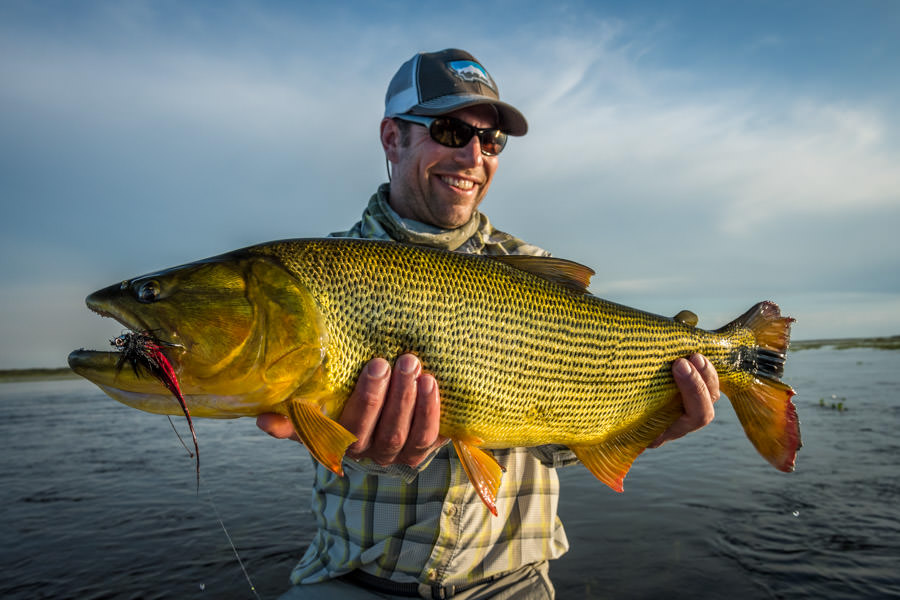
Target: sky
x=700, y=155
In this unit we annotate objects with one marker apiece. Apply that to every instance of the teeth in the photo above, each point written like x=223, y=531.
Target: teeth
x=463, y=184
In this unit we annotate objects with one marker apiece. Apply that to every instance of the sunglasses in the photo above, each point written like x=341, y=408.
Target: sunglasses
x=453, y=133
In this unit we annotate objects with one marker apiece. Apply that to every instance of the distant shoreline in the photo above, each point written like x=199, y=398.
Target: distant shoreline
x=7, y=375
x=878, y=343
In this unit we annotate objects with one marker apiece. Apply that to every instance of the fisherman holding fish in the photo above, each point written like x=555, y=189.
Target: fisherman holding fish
x=403, y=521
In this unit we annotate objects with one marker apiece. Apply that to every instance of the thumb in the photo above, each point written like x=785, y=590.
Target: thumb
x=278, y=426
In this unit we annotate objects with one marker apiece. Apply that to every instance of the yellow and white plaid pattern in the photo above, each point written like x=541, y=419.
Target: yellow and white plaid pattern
x=428, y=525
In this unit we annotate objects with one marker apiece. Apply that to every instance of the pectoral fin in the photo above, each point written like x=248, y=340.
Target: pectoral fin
x=325, y=439
x=610, y=460
x=483, y=471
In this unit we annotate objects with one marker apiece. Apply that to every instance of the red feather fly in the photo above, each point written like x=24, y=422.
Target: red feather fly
x=144, y=352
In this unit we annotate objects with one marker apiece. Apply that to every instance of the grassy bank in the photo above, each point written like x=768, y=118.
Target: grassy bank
x=879, y=343
x=28, y=374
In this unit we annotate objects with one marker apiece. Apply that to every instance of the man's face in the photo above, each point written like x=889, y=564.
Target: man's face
x=435, y=184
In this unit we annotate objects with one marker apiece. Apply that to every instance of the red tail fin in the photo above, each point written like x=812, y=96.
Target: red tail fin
x=762, y=402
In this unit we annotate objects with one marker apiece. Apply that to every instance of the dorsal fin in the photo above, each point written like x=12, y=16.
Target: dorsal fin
x=566, y=273
x=687, y=317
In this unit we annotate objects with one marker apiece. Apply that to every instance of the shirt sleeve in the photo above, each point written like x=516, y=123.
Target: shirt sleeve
x=404, y=472
x=554, y=456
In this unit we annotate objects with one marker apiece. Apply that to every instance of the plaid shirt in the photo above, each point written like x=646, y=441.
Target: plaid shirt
x=427, y=524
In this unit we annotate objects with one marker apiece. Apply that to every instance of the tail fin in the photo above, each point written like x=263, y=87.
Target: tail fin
x=764, y=405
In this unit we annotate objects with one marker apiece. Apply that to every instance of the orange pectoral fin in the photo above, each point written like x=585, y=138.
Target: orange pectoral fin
x=483, y=471
x=325, y=439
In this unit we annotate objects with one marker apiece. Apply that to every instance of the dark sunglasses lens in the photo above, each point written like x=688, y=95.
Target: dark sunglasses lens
x=451, y=132
x=492, y=141
x=454, y=133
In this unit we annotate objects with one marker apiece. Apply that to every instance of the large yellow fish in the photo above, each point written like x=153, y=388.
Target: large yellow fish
x=524, y=356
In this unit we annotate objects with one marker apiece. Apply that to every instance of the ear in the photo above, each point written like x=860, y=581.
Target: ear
x=390, y=139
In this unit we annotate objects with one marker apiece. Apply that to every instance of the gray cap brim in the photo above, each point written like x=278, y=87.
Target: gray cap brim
x=511, y=120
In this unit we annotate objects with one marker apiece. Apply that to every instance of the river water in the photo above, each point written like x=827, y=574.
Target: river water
x=100, y=501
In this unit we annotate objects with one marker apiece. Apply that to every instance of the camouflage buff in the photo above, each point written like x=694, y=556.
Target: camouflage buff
x=478, y=236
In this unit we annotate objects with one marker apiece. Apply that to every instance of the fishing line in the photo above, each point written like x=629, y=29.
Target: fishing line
x=143, y=350
x=233, y=547
x=218, y=517
x=180, y=439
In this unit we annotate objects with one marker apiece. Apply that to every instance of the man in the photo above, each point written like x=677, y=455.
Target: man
x=403, y=521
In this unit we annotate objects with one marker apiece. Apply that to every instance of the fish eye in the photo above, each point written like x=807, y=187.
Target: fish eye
x=148, y=291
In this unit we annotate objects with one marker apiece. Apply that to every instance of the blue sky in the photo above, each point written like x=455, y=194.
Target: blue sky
x=701, y=155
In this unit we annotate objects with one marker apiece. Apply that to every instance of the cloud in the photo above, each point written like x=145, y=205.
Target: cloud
x=765, y=42
x=249, y=96
x=145, y=135
x=144, y=139
x=754, y=158
x=845, y=314
x=682, y=189
x=656, y=167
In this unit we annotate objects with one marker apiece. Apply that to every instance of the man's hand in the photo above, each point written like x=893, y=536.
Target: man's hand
x=395, y=415
x=698, y=383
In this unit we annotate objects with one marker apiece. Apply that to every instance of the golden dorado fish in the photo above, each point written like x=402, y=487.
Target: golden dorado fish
x=524, y=356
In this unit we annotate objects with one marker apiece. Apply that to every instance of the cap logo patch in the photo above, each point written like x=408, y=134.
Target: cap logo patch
x=468, y=70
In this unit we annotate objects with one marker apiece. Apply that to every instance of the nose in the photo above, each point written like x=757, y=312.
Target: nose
x=470, y=155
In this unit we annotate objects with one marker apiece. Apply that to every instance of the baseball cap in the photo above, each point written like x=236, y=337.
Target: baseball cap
x=435, y=83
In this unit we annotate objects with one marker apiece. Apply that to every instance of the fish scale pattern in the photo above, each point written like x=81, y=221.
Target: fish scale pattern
x=521, y=361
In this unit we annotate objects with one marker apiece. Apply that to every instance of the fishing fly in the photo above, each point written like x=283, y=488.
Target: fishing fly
x=143, y=351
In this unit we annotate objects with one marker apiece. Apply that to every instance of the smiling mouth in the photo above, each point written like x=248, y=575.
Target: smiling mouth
x=458, y=182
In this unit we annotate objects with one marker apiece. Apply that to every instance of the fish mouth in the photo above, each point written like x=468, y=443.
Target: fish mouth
x=137, y=389
x=138, y=371
x=102, y=368
x=105, y=367
x=143, y=351
x=132, y=322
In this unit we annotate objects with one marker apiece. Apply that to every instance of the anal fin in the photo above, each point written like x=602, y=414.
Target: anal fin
x=326, y=440
x=483, y=471
x=610, y=460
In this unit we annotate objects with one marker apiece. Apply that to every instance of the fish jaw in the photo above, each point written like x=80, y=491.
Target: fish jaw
x=240, y=333
x=102, y=368
x=144, y=392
